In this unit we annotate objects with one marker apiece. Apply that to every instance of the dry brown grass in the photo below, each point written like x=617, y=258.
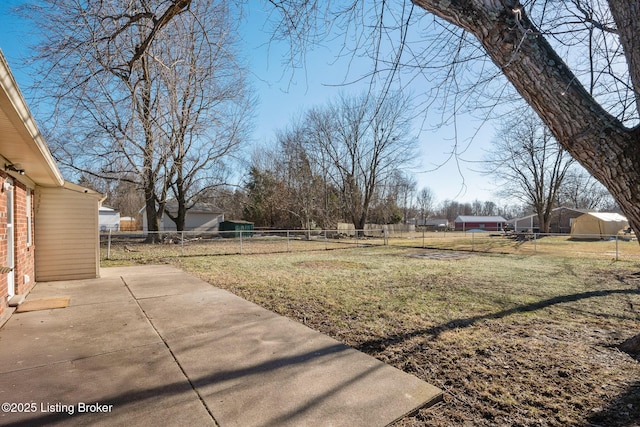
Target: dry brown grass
x=511, y=339
x=128, y=249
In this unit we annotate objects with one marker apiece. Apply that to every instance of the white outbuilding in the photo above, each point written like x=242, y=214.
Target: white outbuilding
x=108, y=219
x=598, y=225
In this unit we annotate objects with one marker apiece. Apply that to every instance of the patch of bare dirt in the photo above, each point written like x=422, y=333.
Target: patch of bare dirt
x=521, y=374
x=440, y=255
x=517, y=370
x=331, y=264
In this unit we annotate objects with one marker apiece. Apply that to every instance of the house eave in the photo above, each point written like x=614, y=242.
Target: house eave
x=89, y=192
x=21, y=143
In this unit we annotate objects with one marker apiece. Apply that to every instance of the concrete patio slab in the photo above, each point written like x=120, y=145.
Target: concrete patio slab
x=38, y=338
x=90, y=291
x=165, y=348
x=138, y=271
x=164, y=284
x=140, y=386
x=277, y=354
x=211, y=310
x=290, y=375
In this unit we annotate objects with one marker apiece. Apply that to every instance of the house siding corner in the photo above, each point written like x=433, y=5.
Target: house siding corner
x=67, y=235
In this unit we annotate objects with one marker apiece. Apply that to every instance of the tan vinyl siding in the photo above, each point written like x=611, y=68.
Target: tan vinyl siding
x=66, y=234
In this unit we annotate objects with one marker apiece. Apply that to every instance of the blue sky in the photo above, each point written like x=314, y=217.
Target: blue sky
x=285, y=94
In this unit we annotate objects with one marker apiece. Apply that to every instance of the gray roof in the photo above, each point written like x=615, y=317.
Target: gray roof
x=579, y=211
x=199, y=207
x=436, y=221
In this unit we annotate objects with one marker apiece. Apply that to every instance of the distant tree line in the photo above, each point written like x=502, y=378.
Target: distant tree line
x=332, y=166
x=343, y=161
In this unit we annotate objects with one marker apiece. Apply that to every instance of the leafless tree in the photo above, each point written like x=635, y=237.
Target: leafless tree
x=426, y=203
x=230, y=199
x=147, y=89
x=580, y=190
x=209, y=107
x=576, y=63
x=477, y=207
x=287, y=189
x=361, y=141
x=530, y=165
x=404, y=189
x=483, y=208
x=451, y=209
x=489, y=208
x=303, y=183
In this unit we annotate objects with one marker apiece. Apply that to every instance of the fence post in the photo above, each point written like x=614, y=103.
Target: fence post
x=288, y=249
x=182, y=243
x=616, y=247
x=535, y=243
x=325, y=239
x=240, y=242
x=473, y=242
x=423, y=237
x=109, y=245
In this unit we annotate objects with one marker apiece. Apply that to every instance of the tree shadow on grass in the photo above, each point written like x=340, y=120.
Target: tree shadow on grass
x=622, y=412
x=434, y=331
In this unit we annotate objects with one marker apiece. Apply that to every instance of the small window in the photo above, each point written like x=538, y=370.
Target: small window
x=29, y=221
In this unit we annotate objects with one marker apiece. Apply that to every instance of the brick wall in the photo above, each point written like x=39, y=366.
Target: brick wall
x=25, y=260
x=24, y=271
x=3, y=243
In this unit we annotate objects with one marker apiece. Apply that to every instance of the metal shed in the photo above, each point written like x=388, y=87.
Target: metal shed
x=236, y=228
x=560, y=222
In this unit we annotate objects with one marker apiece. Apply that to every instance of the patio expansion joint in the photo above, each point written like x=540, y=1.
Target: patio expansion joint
x=175, y=359
x=75, y=359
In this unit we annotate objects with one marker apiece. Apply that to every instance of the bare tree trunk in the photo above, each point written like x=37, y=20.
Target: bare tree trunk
x=360, y=223
x=180, y=217
x=596, y=139
x=153, y=220
x=144, y=114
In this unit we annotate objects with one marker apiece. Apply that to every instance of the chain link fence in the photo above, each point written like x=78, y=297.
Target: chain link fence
x=138, y=246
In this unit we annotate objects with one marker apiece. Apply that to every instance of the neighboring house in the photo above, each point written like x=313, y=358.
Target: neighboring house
x=485, y=223
x=108, y=219
x=598, y=225
x=561, y=220
x=435, y=223
x=203, y=217
x=48, y=227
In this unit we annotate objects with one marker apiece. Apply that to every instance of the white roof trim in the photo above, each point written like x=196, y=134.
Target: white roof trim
x=38, y=156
